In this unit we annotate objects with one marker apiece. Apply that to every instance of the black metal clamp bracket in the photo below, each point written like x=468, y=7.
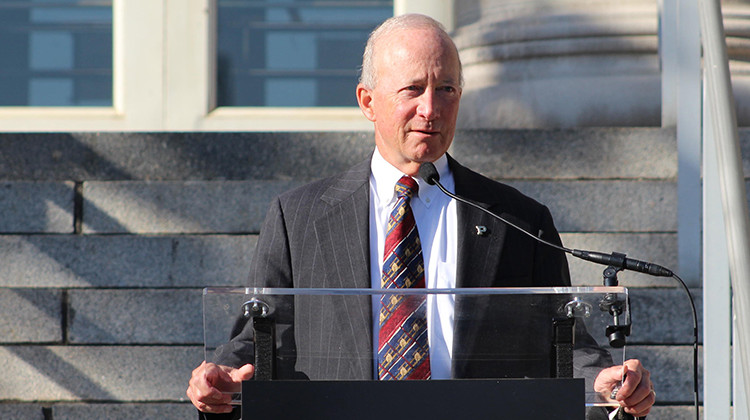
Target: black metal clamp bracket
x=619, y=329
x=264, y=338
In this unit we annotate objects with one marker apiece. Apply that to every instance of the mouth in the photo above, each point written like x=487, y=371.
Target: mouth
x=426, y=132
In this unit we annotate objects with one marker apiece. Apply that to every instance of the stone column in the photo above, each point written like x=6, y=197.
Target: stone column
x=737, y=30
x=574, y=63
x=562, y=63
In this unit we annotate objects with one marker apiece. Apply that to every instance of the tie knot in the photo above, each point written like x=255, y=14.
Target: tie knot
x=406, y=186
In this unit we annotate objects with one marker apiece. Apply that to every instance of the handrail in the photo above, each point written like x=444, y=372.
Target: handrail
x=721, y=107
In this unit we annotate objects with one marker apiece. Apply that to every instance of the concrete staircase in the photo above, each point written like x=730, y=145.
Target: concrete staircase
x=106, y=240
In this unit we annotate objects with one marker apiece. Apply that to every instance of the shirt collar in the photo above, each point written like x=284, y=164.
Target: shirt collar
x=384, y=177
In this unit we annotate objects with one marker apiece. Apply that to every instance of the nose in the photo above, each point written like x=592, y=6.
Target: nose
x=428, y=106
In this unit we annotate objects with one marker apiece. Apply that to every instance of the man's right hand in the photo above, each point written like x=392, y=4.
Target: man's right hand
x=211, y=386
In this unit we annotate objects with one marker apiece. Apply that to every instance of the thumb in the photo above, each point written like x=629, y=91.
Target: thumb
x=243, y=373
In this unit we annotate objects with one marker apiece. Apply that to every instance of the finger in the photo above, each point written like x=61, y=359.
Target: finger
x=218, y=374
x=198, y=383
x=639, y=403
x=641, y=393
x=643, y=407
x=635, y=375
x=201, y=401
x=214, y=408
x=202, y=385
x=609, y=381
x=213, y=403
x=213, y=396
x=230, y=379
x=634, y=365
x=243, y=373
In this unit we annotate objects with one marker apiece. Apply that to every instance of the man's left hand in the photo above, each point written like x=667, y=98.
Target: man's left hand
x=636, y=394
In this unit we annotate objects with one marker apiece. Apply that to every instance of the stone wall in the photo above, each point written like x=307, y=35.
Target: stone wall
x=106, y=240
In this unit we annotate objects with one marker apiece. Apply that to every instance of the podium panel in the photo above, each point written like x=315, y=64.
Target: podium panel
x=304, y=342
x=517, y=399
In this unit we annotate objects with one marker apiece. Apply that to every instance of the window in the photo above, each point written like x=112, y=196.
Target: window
x=287, y=53
x=56, y=53
x=205, y=65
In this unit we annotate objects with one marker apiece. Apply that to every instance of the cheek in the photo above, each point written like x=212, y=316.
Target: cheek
x=403, y=112
x=451, y=106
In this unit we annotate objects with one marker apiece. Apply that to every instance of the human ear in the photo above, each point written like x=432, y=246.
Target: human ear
x=365, y=100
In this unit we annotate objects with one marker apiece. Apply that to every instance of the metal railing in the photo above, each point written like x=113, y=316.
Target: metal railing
x=720, y=107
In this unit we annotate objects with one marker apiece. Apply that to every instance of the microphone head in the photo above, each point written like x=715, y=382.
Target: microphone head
x=429, y=173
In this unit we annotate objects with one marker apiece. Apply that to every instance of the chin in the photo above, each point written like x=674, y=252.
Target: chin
x=426, y=157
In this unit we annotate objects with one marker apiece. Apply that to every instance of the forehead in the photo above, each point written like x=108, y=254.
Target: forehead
x=405, y=52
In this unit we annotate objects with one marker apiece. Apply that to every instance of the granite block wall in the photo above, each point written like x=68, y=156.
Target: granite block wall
x=107, y=239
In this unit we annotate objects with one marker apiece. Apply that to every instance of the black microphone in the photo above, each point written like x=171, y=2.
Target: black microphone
x=428, y=172
x=619, y=261
x=430, y=175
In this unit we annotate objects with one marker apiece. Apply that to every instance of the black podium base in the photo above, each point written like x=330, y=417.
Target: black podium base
x=517, y=399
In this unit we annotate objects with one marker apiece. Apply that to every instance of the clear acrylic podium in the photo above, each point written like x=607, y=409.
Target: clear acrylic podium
x=539, y=347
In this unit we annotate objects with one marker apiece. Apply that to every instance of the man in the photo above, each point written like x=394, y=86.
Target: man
x=331, y=233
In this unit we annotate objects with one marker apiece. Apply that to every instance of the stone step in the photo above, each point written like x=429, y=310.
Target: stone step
x=107, y=239
x=589, y=153
x=129, y=411
x=163, y=261
x=174, y=316
x=159, y=207
x=104, y=374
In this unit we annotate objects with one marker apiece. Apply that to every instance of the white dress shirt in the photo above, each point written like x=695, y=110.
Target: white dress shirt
x=435, y=215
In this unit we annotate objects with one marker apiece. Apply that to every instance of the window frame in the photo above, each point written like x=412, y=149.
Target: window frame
x=159, y=84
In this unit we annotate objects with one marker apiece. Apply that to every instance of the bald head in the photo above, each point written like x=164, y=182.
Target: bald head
x=411, y=90
x=390, y=26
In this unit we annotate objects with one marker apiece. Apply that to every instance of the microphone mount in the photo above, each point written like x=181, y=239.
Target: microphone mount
x=430, y=175
x=616, y=262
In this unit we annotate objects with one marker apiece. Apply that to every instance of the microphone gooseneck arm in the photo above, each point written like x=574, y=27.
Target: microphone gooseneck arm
x=435, y=181
x=429, y=174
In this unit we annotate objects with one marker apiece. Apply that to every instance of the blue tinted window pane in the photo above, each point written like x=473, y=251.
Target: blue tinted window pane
x=293, y=53
x=56, y=53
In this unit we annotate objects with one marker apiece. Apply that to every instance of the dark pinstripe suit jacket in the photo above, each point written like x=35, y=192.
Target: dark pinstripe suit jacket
x=318, y=236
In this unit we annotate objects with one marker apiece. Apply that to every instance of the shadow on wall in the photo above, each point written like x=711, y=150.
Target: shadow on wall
x=107, y=239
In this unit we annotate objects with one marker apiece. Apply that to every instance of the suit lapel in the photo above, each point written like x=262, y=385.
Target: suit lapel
x=478, y=252
x=343, y=235
x=343, y=231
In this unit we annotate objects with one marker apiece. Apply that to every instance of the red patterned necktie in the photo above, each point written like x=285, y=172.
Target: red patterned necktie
x=403, y=351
